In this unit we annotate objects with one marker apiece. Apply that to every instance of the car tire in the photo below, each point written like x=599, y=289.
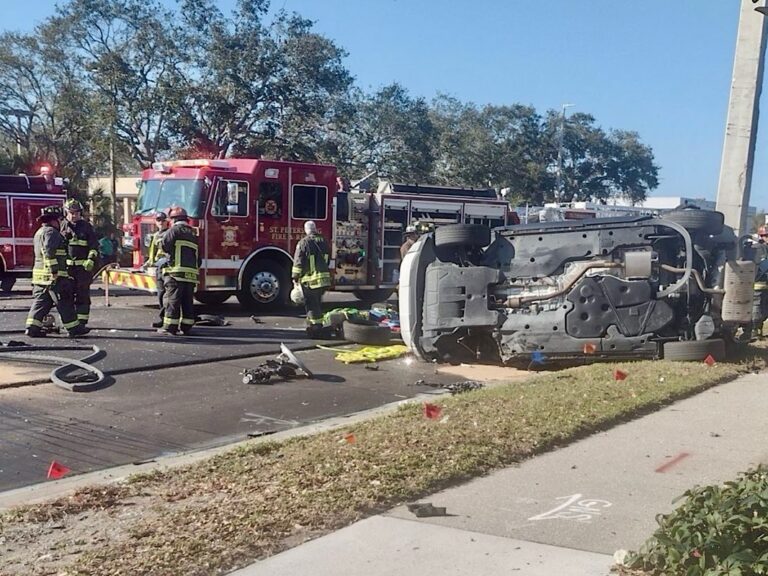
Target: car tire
x=266, y=287
x=369, y=297
x=366, y=332
x=697, y=220
x=694, y=350
x=469, y=235
x=212, y=298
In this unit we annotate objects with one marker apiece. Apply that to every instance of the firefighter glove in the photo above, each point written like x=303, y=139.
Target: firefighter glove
x=88, y=265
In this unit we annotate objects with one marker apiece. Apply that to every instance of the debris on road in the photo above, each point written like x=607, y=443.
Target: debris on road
x=211, y=320
x=426, y=510
x=286, y=365
x=455, y=387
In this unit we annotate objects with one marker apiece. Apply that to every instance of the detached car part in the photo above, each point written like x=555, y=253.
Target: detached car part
x=624, y=287
x=286, y=365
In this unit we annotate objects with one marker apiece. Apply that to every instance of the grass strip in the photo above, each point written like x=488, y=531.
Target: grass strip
x=258, y=499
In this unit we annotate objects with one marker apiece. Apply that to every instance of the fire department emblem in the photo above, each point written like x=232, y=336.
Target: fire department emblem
x=230, y=236
x=270, y=207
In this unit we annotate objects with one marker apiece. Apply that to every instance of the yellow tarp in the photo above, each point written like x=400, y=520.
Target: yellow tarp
x=372, y=354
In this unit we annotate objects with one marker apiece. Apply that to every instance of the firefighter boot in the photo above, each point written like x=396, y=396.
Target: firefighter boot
x=34, y=332
x=79, y=330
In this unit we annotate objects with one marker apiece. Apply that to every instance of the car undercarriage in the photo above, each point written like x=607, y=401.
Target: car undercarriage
x=678, y=286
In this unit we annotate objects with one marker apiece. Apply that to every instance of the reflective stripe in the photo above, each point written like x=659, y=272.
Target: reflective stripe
x=82, y=317
x=50, y=261
x=60, y=252
x=33, y=322
x=78, y=242
x=70, y=325
x=93, y=254
x=187, y=321
x=296, y=270
x=77, y=262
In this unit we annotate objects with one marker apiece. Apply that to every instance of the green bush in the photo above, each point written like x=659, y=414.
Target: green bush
x=716, y=531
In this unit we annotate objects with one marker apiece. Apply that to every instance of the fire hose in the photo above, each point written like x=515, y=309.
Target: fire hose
x=92, y=379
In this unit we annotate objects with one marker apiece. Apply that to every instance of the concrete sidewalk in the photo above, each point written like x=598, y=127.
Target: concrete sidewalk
x=563, y=513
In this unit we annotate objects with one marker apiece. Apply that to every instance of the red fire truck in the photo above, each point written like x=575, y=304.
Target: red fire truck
x=250, y=214
x=21, y=199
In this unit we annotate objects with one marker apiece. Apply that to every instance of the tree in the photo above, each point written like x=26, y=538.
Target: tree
x=494, y=146
x=127, y=52
x=387, y=132
x=599, y=166
x=252, y=87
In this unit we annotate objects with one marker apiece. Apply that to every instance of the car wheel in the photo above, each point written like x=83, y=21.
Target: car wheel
x=469, y=235
x=212, y=298
x=694, y=350
x=265, y=286
x=697, y=220
x=366, y=332
x=369, y=297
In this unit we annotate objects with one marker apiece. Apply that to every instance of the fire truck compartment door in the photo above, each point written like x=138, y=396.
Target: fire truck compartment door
x=484, y=210
x=395, y=204
x=442, y=207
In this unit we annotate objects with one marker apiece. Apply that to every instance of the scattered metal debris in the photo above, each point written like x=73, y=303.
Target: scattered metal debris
x=455, y=387
x=373, y=367
x=426, y=510
x=257, y=320
x=286, y=365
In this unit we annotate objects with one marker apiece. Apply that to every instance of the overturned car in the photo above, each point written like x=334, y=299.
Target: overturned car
x=678, y=286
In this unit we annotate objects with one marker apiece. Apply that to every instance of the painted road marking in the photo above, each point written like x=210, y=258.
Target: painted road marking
x=575, y=508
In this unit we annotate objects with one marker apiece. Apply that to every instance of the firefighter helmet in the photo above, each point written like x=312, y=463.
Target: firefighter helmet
x=50, y=213
x=177, y=213
x=72, y=205
x=762, y=231
x=161, y=216
x=297, y=294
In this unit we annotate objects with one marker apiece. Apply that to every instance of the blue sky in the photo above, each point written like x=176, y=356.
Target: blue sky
x=659, y=67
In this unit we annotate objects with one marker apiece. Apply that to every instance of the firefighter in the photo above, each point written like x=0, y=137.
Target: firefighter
x=51, y=283
x=83, y=248
x=310, y=270
x=180, y=275
x=158, y=259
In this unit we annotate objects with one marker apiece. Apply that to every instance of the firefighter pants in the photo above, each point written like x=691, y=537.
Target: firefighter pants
x=46, y=297
x=161, y=296
x=179, y=305
x=313, y=303
x=82, y=292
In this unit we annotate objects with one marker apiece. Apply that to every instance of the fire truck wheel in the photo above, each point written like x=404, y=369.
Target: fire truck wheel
x=211, y=298
x=6, y=283
x=266, y=286
x=373, y=296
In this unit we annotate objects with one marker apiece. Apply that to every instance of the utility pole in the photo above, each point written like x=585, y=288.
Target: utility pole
x=559, y=174
x=735, y=183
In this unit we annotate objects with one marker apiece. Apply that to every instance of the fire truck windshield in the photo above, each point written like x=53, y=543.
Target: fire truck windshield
x=160, y=195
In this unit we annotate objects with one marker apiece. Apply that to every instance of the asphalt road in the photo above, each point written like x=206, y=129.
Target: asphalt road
x=170, y=395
